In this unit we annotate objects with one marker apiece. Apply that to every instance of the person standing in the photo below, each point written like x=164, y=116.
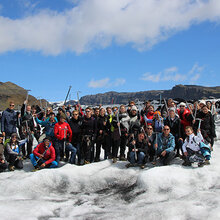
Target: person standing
x=9, y=121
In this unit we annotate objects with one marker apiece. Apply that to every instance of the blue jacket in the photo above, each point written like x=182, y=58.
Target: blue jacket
x=168, y=145
x=49, y=126
x=9, y=121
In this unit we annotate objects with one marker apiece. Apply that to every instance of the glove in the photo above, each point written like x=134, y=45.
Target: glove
x=64, y=139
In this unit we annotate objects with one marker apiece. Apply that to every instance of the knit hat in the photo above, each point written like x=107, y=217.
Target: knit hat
x=182, y=104
x=172, y=109
x=202, y=102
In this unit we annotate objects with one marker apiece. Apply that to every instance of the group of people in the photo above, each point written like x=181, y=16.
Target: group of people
x=126, y=133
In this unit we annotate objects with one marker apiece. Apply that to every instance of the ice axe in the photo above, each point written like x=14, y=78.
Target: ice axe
x=200, y=120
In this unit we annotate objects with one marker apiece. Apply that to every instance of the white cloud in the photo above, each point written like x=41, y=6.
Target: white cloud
x=172, y=74
x=119, y=82
x=151, y=77
x=106, y=83
x=99, y=83
x=96, y=23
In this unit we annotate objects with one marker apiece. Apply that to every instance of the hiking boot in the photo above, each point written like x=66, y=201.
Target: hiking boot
x=129, y=165
x=114, y=160
x=207, y=162
x=122, y=158
x=186, y=164
x=96, y=160
x=87, y=162
x=11, y=168
x=142, y=166
x=201, y=164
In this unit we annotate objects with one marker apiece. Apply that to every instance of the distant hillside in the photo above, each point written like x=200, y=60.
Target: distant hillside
x=12, y=92
x=179, y=91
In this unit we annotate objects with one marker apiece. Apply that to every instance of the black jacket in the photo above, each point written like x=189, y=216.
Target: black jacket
x=175, y=126
x=75, y=126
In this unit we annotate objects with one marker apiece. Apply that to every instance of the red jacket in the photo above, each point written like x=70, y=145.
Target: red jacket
x=183, y=120
x=49, y=156
x=59, y=131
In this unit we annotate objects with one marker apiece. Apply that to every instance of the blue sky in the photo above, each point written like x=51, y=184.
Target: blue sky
x=98, y=46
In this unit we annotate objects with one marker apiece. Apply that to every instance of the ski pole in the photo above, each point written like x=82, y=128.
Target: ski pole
x=119, y=128
x=67, y=95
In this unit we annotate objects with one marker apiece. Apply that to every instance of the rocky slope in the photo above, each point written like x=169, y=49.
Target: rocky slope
x=179, y=91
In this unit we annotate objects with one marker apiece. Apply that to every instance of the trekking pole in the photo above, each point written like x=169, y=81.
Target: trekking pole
x=195, y=111
x=155, y=155
x=135, y=152
x=200, y=120
x=166, y=105
x=119, y=128
x=43, y=154
x=64, y=143
x=67, y=95
x=26, y=99
x=187, y=104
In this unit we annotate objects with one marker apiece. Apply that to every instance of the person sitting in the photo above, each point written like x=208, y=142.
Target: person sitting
x=138, y=151
x=191, y=148
x=13, y=153
x=3, y=165
x=165, y=145
x=43, y=155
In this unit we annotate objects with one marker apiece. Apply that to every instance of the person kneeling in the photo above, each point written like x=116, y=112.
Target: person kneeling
x=165, y=145
x=191, y=148
x=138, y=151
x=13, y=153
x=44, y=155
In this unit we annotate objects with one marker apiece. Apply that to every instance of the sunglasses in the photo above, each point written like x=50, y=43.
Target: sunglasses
x=166, y=129
x=150, y=128
x=12, y=105
x=87, y=111
x=75, y=114
x=182, y=106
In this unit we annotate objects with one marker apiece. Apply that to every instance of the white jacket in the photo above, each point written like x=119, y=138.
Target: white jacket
x=193, y=142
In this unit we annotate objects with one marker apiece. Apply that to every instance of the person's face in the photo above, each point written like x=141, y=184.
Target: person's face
x=133, y=112
x=109, y=111
x=141, y=136
x=102, y=112
x=209, y=104
x=182, y=108
x=151, y=109
x=166, y=130
x=11, y=106
x=52, y=117
x=149, y=129
x=188, y=131
x=68, y=114
x=122, y=109
x=201, y=105
x=97, y=112
x=115, y=110
x=172, y=114
x=88, y=113
x=62, y=120
x=75, y=115
x=169, y=102
x=46, y=143
x=14, y=139
x=28, y=108
x=205, y=110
